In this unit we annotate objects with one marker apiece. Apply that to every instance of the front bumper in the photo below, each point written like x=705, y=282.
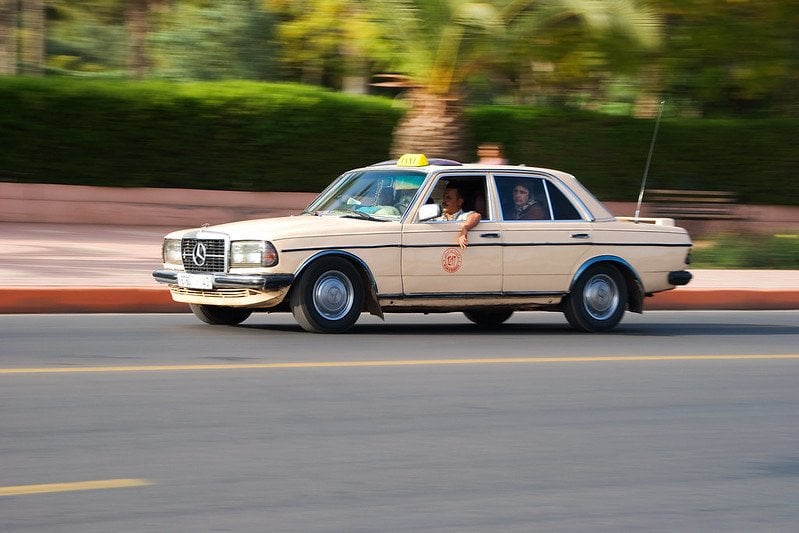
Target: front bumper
x=258, y=282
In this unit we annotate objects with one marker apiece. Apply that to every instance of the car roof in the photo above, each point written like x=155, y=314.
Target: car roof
x=435, y=165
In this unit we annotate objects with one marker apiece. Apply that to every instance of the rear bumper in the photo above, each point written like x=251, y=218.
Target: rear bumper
x=680, y=277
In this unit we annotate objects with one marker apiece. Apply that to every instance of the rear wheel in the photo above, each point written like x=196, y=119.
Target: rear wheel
x=486, y=318
x=598, y=299
x=329, y=296
x=219, y=315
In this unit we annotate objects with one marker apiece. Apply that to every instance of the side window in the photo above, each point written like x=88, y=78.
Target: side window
x=471, y=188
x=522, y=198
x=562, y=208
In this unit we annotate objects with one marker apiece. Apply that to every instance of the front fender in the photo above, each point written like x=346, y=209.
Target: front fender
x=370, y=298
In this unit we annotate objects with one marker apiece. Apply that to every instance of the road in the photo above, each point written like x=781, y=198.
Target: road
x=675, y=422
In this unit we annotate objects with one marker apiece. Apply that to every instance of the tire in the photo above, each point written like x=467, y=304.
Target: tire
x=597, y=301
x=488, y=318
x=329, y=296
x=219, y=315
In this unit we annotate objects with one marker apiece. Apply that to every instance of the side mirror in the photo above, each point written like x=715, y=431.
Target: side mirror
x=429, y=211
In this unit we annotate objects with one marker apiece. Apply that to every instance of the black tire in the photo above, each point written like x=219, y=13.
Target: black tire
x=488, y=318
x=219, y=315
x=598, y=300
x=328, y=298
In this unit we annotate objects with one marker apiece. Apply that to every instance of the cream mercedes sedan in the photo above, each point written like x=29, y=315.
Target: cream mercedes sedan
x=419, y=235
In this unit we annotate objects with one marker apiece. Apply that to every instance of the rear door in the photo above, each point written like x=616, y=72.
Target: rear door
x=541, y=254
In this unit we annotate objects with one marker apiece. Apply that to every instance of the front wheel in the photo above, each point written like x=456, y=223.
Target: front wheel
x=488, y=318
x=329, y=296
x=219, y=315
x=598, y=300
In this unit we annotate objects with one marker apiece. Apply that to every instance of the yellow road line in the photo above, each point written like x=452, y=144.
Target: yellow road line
x=390, y=363
x=100, y=484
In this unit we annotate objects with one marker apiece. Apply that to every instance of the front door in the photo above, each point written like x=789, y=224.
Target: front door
x=432, y=261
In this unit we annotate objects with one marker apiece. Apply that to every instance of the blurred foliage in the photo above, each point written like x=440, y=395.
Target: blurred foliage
x=284, y=137
x=325, y=41
x=779, y=252
x=707, y=57
x=735, y=57
x=441, y=43
x=223, y=40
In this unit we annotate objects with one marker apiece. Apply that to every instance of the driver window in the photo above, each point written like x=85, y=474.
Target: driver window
x=472, y=189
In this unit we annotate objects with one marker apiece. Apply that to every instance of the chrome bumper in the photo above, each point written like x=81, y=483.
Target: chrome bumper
x=234, y=281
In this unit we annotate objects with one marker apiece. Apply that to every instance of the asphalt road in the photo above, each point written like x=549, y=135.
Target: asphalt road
x=675, y=422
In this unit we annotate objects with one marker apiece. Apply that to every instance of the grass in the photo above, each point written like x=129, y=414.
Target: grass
x=779, y=252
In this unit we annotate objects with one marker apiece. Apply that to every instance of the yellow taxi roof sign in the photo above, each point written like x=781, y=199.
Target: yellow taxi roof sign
x=412, y=160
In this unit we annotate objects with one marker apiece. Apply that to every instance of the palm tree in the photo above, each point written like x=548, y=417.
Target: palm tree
x=438, y=43
x=8, y=36
x=32, y=42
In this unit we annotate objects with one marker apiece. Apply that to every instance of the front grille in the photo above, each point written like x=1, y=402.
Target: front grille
x=203, y=255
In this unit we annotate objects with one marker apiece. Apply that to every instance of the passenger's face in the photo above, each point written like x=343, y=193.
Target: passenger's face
x=520, y=195
x=452, y=202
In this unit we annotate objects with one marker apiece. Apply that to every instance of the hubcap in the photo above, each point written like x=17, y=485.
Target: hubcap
x=333, y=295
x=601, y=297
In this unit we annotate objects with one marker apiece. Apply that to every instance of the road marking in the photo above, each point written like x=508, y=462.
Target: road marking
x=390, y=363
x=100, y=484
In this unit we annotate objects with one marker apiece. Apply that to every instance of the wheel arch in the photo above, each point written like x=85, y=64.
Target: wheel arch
x=635, y=288
x=370, y=298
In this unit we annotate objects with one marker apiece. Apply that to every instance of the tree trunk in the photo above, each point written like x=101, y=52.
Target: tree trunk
x=32, y=42
x=434, y=126
x=8, y=37
x=137, y=23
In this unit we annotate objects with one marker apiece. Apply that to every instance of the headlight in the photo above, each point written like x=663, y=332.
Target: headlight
x=171, y=252
x=252, y=254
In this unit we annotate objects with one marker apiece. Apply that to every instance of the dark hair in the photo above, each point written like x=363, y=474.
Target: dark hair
x=457, y=187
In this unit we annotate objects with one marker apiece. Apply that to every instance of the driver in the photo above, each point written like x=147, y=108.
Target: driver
x=452, y=210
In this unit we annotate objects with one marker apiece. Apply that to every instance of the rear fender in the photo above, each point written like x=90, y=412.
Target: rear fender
x=635, y=288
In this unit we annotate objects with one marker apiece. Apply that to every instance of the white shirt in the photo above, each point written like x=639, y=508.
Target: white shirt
x=460, y=215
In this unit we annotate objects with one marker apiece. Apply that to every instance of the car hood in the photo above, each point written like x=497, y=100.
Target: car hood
x=275, y=229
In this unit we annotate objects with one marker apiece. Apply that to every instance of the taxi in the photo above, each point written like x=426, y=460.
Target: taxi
x=402, y=236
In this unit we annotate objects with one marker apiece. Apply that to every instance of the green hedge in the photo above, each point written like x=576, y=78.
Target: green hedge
x=284, y=137
x=757, y=159
x=233, y=135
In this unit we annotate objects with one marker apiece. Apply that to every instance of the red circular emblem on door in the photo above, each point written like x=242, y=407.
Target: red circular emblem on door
x=451, y=260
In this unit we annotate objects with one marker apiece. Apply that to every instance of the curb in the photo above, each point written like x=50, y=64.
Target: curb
x=39, y=300
x=724, y=299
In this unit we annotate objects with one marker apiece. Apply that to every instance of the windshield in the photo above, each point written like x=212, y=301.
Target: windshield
x=379, y=194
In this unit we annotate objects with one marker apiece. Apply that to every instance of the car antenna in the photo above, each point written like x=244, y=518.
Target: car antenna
x=648, y=160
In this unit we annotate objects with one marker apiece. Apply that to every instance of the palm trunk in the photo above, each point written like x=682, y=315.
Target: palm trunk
x=137, y=22
x=32, y=42
x=8, y=37
x=435, y=126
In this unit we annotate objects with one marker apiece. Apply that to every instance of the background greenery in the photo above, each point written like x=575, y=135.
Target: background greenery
x=226, y=135
x=569, y=84
x=747, y=251
x=289, y=137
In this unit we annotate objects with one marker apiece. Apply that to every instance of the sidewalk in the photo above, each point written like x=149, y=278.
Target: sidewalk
x=85, y=268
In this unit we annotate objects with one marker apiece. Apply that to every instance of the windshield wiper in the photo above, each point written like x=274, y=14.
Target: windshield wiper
x=362, y=215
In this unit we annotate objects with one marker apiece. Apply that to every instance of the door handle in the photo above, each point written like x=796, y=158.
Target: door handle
x=580, y=235
x=490, y=235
